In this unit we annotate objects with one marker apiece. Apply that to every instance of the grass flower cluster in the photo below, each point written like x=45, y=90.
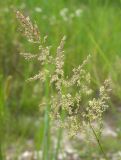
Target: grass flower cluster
x=66, y=93
x=29, y=30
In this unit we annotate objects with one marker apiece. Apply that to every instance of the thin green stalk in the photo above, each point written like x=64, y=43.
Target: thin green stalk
x=46, y=138
x=98, y=141
x=58, y=144
x=1, y=156
x=2, y=101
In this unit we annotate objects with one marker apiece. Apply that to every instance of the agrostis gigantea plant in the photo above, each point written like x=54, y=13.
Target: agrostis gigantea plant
x=66, y=100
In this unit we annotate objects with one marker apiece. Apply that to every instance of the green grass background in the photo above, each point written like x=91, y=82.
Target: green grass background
x=97, y=31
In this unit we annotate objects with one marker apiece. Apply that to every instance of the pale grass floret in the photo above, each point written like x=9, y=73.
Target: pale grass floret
x=40, y=76
x=44, y=55
x=28, y=56
x=57, y=77
x=98, y=106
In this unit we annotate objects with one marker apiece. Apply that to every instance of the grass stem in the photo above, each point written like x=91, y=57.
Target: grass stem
x=1, y=156
x=46, y=139
x=98, y=141
x=46, y=136
x=58, y=144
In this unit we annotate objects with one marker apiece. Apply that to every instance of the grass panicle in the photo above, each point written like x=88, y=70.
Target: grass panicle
x=65, y=94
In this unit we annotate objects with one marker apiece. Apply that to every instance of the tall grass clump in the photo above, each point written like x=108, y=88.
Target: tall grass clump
x=69, y=100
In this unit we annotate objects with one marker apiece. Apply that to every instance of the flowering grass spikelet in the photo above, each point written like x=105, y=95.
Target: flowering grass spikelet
x=30, y=30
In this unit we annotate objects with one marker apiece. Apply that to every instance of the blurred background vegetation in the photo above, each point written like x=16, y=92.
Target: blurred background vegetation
x=91, y=26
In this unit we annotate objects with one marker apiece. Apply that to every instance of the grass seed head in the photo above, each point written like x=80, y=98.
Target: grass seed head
x=66, y=100
x=30, y=30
